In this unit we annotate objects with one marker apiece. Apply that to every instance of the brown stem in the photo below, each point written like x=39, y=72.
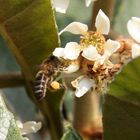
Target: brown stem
x=113, y=35
x=107, y=6
x=11, y=79
x=87, y=117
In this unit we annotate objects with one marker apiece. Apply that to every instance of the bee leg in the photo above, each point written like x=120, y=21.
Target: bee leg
x=49, y=83
x=61, y=83
x=62, y=86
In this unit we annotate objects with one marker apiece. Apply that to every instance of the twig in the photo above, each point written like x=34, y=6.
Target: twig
x=11, y=79
x=87, y=116
x=113, y=35
x=107, y=6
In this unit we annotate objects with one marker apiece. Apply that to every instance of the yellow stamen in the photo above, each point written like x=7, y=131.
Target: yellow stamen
x=93, y=38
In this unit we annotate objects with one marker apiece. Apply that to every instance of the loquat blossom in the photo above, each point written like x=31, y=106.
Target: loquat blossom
x=82, y=84
x=133, y=27
x=94, y=50
x=62, y=5
x=28, y=127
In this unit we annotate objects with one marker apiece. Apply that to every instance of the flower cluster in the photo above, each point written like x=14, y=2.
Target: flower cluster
x=95, y=57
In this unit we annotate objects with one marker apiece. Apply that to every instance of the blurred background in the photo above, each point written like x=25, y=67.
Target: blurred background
x=16, y=98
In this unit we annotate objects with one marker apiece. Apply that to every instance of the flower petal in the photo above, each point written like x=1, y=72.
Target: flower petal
x=102, y=23
x=111, y=46
x=72, y=68
x=88, y=2
x=101, y=60
x=91, y=53
x=58, y=52
x=72, y=51
x=61, y=5
x=133, y=27
x=75, y=28
x=82, y=84
x=30, y=127
x=135, y=50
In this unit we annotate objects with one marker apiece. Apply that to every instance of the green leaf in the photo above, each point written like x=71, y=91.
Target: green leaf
x=126, y=84
x=71, y=134
x=29, y=28
x=121, y=119
x=8, y=127
x=121, y=110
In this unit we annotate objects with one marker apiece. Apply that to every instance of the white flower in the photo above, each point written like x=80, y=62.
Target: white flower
x=82, y=84
x=62, y=5
x=133, y=27
x=72, y=68
x=92, y=54
x=28, y=127
x=88, y=2
x=135, y=50
x=71, y=51
x=102, y=26
x=92, y=46
x=102, y=23
x=110, y=47
x=75, y=28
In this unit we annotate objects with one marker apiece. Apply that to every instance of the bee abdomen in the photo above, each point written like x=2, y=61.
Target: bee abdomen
x=40, y=85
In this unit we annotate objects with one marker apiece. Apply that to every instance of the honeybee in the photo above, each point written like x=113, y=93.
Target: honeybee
x=44, y=78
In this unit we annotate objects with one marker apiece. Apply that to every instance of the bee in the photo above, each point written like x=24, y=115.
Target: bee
x=45, y=77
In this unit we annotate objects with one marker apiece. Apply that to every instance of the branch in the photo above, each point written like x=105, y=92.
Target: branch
x=113, y=35
x=11, y=79
x=87, y=116
x=107, y=6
